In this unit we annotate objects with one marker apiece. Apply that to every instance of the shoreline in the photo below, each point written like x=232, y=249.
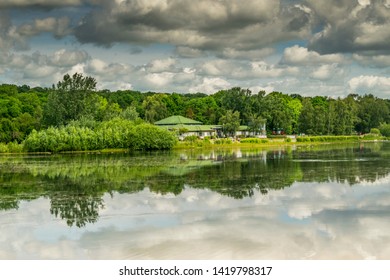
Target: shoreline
x=201, y=144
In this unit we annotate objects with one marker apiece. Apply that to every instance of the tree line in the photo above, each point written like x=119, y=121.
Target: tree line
x=75, y=99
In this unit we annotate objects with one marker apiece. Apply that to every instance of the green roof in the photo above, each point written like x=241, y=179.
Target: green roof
x=191, y=128
x=177, y=120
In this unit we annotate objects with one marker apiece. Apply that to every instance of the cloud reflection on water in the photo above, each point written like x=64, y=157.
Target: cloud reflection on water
x=306, y=221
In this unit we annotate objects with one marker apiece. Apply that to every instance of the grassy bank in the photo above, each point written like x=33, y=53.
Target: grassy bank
x=194, y=143
x=280, y=141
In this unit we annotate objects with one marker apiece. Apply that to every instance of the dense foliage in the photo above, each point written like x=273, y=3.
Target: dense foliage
x=75, y=106
x=117, y=133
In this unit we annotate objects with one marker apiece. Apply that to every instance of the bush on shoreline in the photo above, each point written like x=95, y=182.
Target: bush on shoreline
x=113, y=134
x=329, y=138
x=254, y=140
x=11, y=147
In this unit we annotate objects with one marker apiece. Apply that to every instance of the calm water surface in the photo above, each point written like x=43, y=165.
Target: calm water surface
x=326, y=202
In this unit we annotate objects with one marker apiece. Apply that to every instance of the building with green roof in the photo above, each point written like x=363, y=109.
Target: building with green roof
x=189, y=127
x=174, y=120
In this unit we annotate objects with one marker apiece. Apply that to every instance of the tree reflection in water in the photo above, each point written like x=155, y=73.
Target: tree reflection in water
x=75, y=185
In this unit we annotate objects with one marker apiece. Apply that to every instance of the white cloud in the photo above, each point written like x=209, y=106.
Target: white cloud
x=371, y=84
x=59, y=27
x=187, y=52
x=34, y=72
x=297, y=55
x=161, y=65
x=261, y=69
x=210, y=85
x=232, y=53
x=159, y=79
x=267, y=88
x=245, y=70
x=66, y=58
x=326, y=72
x=380, y=61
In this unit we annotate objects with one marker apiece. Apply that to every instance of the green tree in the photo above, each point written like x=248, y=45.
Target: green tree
x=372, y=111
x=295, y=107
x=230, y=122
x=6, y=89
x=202, y=109
x=174, y=103
x=130, y=113
x=155, y=109
x=256, y=124
x=8, y=131
x=279, y=115
x=306, y=117
x=68, y=99
x=385, y=129
x=236, y=99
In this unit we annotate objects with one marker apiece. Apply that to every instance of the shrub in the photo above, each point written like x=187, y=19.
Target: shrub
x=250, y=140
x=191, y=138
x=371, y=137
x=222, y=141
x=303, y=139
x=328, y=138
x=151, y=137
x=15, y=147
x=3, y=148
x=375, y=131
x=385, y=129
x=254, y=140
x=116, y=133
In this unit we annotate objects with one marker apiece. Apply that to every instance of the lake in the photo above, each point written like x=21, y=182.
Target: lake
x=312, y=202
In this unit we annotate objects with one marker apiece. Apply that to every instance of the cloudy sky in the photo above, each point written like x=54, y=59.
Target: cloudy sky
x=311, y=47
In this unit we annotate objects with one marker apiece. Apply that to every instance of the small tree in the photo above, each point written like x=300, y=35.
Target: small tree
x=375, y=131
x=130, y=113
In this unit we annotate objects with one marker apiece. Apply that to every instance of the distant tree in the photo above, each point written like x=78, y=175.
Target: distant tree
x=8, y=131
x=236, y=99
x=295, y=107
x=372, y=111
x=230, y=122
x=130, y=113
x=68, y=99
x=343, y=116
x=306, y=118
x=385, y=129
x=256, y=123
x=155, y=109
x=9, y=90
x=202, y=109
x=174, y=103
x=23, y=88
x=279, y=115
